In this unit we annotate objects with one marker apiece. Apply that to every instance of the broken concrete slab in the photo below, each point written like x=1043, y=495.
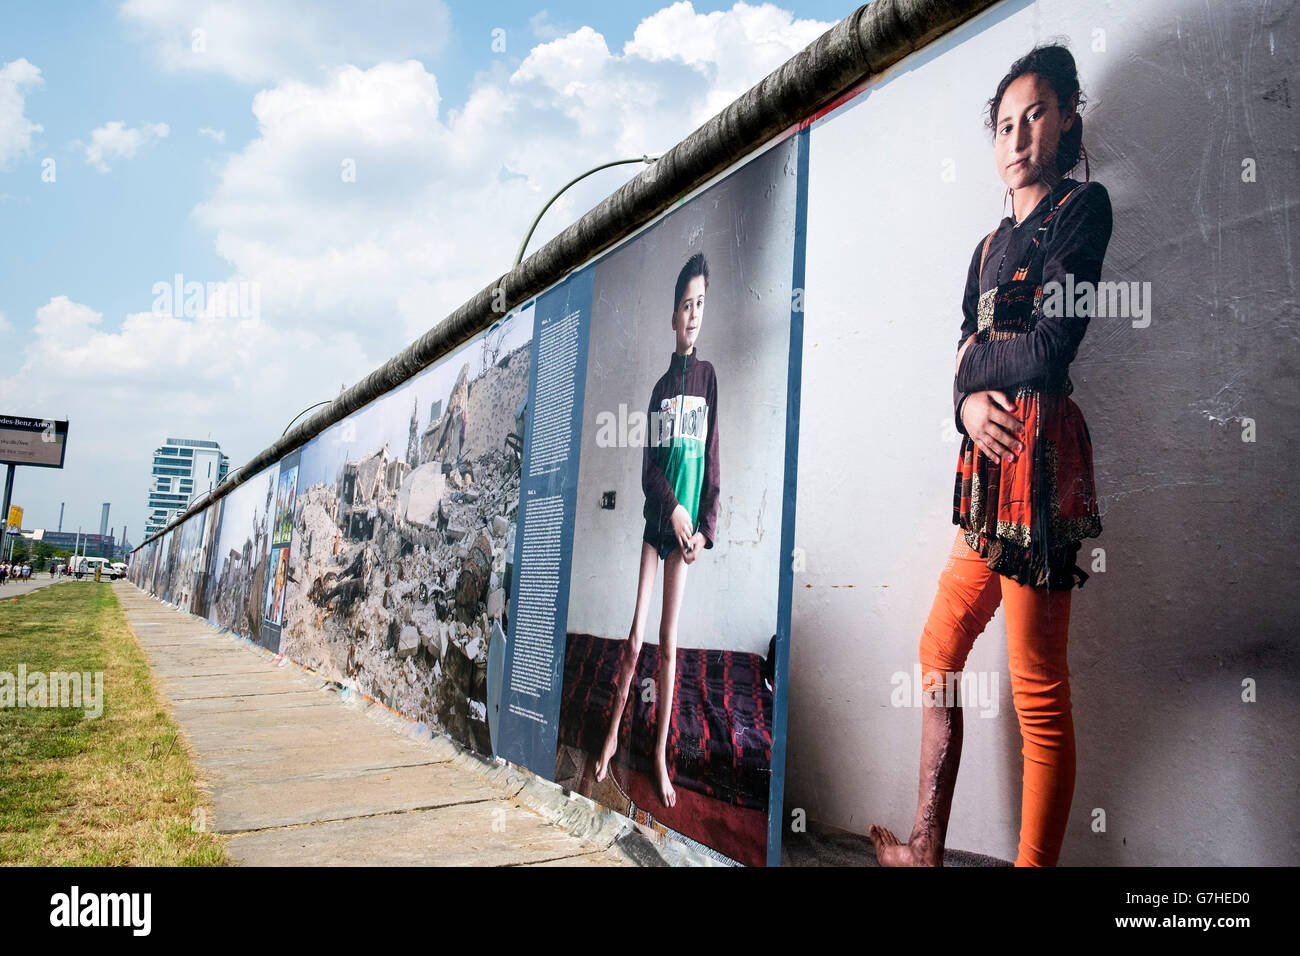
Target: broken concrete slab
x=421, y=494
x=496, y=603
x=408, y=642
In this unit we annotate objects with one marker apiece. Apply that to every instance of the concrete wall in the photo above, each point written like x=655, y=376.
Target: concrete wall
x=1197, y=596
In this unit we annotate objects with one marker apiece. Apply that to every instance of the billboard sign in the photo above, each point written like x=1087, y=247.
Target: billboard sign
x=32, y=441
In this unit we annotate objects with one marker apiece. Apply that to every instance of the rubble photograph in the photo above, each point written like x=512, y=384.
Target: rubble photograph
x=399, y=568
x=239, y=567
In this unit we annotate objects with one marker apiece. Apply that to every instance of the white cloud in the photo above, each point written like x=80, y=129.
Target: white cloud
x=17, y=79
x=734, y=49
x=216, y=135
x=542, y=27
x=351, y=272
x=183, y=355
x=239, y=380
x=116, y=140
x=441, y=198
x=6, y=326
x=253, y=41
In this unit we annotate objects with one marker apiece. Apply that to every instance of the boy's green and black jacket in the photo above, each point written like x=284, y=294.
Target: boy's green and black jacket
x=680, y=465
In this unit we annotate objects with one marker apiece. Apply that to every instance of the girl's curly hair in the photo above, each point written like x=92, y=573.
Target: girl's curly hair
x=1055, y=64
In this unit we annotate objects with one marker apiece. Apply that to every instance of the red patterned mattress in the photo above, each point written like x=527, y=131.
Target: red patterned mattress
x=720, y=743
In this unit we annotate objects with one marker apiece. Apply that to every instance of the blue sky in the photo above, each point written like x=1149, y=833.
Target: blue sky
x=455, y=143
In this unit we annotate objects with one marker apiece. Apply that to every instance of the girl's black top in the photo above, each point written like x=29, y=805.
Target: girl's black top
x=1075, y=244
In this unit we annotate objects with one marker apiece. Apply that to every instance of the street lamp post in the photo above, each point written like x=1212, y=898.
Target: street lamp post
x=519, y=256
x=300, y=414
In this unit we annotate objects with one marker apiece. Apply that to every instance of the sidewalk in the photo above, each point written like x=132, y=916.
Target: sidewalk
x=302, y=775
x=12, y=589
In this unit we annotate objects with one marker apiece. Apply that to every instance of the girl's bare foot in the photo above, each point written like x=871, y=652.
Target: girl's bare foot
x=666, y=792
x=606, y=755
x=890, y=851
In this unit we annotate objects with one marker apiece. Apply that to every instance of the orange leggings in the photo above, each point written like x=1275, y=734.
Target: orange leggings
x=1038, y=624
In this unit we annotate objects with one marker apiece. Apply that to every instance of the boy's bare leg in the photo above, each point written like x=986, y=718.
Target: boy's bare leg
x=941, y=739
x=674, y=589
x=629, y=653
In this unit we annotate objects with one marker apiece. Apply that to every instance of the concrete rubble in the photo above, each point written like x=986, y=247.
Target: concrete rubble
x=401, y=566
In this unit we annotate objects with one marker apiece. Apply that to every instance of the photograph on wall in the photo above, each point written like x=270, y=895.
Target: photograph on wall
x=158, y=566
x=240, y=565
x=201, y=605
x=277, y=577
x=669, y=603
x=141, y=565
x=285, y=493
x=188, y=560
x=1048, y=385
x=140, y=561
x=169, y=572
x=275, y=582
x=403, y=526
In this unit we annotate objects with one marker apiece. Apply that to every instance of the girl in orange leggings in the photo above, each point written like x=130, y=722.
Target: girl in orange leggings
x=1024, y=496
x=1038, y=625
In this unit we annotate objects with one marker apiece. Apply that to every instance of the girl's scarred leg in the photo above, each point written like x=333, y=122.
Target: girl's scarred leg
x=1038, y=625
x=628, y=654
x=674, y=589
x=967, y=597
x=941, y=739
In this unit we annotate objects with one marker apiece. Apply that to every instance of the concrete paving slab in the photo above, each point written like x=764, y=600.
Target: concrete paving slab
x=254, y=702
x=301, y=775
x=301, y=720
x=218, y=667
x=232, y=757
x=340, y=796
x=270, y=682
x=484, y=833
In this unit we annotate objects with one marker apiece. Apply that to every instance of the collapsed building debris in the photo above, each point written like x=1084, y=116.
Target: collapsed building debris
x=403, y=565
x=241, y=582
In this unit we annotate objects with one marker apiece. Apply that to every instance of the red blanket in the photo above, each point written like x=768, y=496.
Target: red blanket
x=720, y=742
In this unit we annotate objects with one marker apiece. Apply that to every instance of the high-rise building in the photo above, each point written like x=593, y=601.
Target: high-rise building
x=182, y=469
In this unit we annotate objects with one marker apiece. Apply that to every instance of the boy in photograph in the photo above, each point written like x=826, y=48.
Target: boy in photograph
x=680, y=478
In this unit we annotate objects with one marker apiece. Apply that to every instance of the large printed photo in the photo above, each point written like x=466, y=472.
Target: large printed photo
x=402, y=531
x=239, y=567
x=1030, y=479
x=668, y=673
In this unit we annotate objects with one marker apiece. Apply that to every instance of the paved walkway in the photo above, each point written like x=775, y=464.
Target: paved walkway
x=301, y=776
x=16, y=588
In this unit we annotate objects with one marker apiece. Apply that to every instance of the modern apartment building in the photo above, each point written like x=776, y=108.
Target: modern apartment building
x=182, y=469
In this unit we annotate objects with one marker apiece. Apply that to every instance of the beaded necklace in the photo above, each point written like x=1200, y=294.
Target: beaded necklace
x=1051, y=204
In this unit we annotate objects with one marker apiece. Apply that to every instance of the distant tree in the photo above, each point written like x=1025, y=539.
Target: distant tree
x=43, y=553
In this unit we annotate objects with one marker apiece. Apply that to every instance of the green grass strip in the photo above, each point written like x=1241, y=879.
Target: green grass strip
x=113, y=790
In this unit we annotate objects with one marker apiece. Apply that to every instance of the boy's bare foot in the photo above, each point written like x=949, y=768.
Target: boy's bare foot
x=606, y=755
x=666, y=792
x=890, y=851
